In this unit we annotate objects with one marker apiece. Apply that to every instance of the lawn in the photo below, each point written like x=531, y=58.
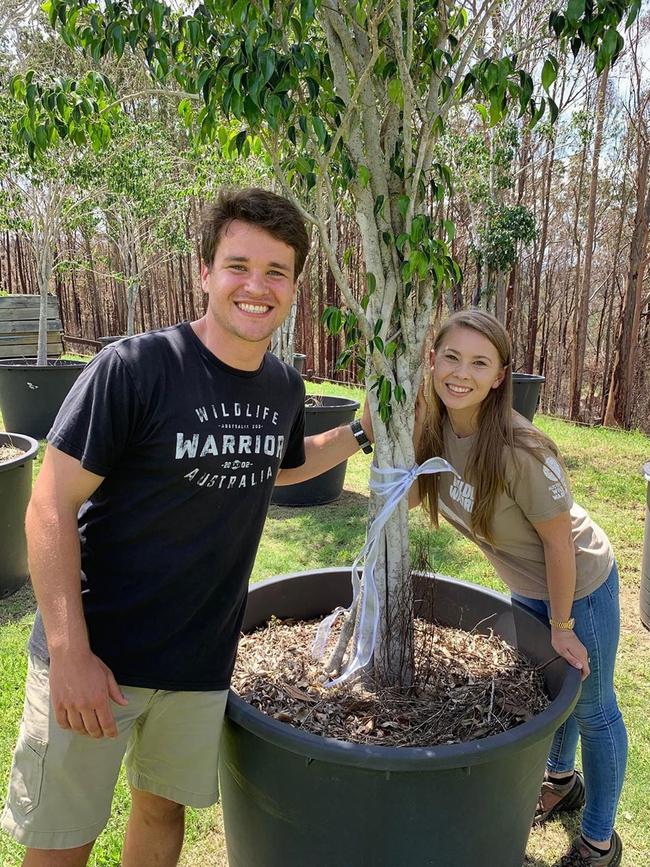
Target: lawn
x=605, y=470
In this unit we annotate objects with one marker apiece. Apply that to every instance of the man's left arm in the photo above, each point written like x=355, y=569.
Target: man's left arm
x=322, y=452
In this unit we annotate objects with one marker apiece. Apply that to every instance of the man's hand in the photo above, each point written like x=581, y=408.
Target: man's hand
x=82, y=689
x=568, y=645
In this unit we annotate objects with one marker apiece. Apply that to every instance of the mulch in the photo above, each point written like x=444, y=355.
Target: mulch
x=9, y=452
x=466, y=686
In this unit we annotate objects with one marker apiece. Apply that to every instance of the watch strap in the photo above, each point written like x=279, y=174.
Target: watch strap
x=562, y=624
x=360, y=436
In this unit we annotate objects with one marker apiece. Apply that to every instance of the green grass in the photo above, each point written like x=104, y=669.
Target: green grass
x=605, y=471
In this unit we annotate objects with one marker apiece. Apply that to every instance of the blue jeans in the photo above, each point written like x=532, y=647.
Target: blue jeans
x=596, y=717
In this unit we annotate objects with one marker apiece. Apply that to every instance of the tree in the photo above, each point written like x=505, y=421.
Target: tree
x=349, y=99
x=139, y=183
x=581, y=318
x=15, y=13
x=40, y=198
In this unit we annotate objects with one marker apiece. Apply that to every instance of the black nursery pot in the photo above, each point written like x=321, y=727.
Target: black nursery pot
x=109, y=338
x=299, y=359
x=526, y=389
x=31, y=394
x=291, y=798
x=329, y=413
x=15, y=491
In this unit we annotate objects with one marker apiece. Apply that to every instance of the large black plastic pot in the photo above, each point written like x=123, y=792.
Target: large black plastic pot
x=330, y=412
x=31, y=394
x=15, y=491
x=109, y=338
x=526, y=388
x=292, y=799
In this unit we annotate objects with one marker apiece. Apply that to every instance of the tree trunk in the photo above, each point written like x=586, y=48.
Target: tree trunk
x=45, y=265
x=581, y=319
x=619, y=404
x=533, y=324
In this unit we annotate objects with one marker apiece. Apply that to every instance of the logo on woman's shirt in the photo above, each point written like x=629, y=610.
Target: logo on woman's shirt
x=553, y=471
x=462, y=492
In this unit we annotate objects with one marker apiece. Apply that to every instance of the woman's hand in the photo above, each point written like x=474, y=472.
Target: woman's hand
x=420, y=414
x=366, y=422
x=568, y=645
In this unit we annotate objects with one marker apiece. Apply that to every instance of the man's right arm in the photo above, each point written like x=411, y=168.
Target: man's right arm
x=81, y=685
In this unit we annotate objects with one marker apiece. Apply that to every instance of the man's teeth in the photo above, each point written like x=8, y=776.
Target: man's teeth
x=253, y=308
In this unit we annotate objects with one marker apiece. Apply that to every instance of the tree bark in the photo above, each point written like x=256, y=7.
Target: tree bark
x=581, y=319
x=619, y=404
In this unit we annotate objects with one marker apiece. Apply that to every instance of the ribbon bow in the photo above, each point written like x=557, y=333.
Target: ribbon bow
x=391, y=484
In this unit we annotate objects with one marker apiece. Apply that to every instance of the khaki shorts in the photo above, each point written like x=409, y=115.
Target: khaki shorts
x=62, y=783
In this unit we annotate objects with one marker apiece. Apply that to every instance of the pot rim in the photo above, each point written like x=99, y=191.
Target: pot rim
x=342, y=403
x=29, y=444
x=528, y=377
x=443, y=756
x=52, y=364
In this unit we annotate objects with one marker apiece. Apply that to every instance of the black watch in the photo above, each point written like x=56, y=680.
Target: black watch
x=360, y=436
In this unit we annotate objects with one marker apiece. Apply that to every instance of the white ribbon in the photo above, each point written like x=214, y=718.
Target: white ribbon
x=391, y=484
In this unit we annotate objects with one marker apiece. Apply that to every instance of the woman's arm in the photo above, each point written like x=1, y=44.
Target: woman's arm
x=560, y=560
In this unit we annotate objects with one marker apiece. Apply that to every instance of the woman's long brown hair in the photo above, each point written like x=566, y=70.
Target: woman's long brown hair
x=499, y=428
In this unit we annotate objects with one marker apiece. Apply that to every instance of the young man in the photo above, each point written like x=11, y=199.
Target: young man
x=142, y=533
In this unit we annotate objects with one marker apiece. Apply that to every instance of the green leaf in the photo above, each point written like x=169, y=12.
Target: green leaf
x=42, y=138
x=390, y=349
x=403, y=205
x=574, y=11
x=371, y=282
x=610, y=41
x=549, y=72
x=319, y=129
x=395, y=91
x=332, y=319
x=482, y=111
x=194, y=31
x=450, y=229
x=363, y=174
x=384, y=390
x=117, y=36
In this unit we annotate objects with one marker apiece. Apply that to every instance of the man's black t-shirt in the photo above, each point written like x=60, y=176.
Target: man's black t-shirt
x=189, y=449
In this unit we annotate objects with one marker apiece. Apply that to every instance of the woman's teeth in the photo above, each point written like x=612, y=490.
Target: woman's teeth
x=458, y=389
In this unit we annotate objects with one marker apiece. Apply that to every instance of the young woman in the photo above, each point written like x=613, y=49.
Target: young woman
x=514, y=502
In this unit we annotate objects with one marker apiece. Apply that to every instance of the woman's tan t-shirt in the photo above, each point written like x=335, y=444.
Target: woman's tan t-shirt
x=534, y=492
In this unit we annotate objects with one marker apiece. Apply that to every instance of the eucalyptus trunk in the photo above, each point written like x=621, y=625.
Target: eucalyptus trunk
x=581, y=320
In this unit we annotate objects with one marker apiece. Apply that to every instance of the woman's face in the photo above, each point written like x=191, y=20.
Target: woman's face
x=465, y=366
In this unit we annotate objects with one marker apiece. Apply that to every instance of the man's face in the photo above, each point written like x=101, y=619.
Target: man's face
x=250, y=286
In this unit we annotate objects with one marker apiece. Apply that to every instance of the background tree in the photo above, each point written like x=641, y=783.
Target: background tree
x=42, y=197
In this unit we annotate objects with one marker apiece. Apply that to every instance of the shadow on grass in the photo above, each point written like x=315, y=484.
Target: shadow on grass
x=17, y=606
x=557, y=838
x=349, y=503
